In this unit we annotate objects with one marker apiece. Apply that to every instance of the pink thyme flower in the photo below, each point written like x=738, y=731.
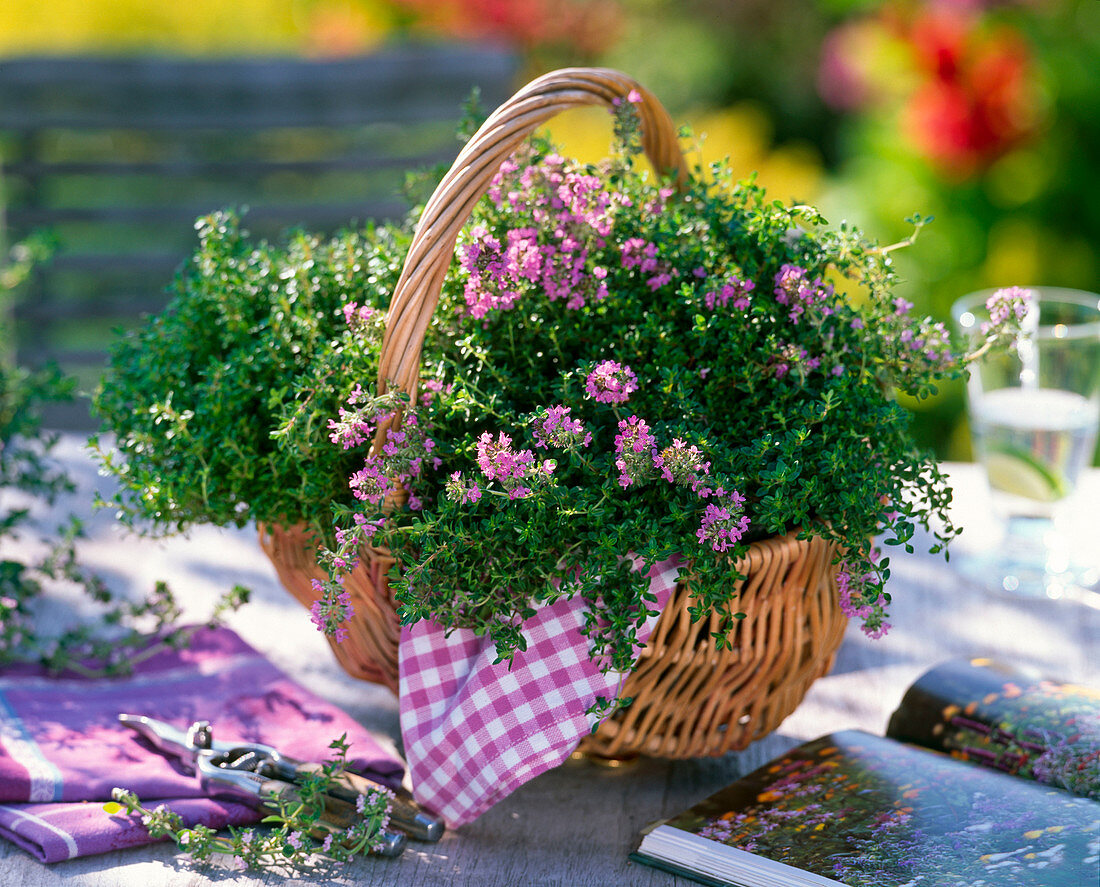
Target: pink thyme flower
x=555, y=428
x=430, y=388
x=658, y=280
x=350, y=540
x=611, y=382
x=635, y=449
x=489, y=286
x=516, y=470
x=572, y=215
x=722, y=525
x=860, y=597
x=331, y=608
x=933, y=341
x=565, y=275
x=788, y=281
x=902, y=306
x=356, y=425
x=733, y=290
x=876, y=630
x=371, y=483
x=638, y=253
x=459, y=489
x=795, y=358
x=794, y=289
x=658, y=205
x=346, y=559
x=401, y=459
x=681, y=464
x=523, y=259
x=498, y=461
x=359, y=317
x=923, y=348
x=1008, y=303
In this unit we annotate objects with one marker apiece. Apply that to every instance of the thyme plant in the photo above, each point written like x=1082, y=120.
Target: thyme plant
x=618, y=372
x=126, y=632
x=630, y=373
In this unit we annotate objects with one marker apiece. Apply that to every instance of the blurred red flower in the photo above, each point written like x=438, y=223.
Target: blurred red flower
x=964, y=89
x=976, y=99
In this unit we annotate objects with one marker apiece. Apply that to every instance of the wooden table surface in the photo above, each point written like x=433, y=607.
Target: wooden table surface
x=574, y=826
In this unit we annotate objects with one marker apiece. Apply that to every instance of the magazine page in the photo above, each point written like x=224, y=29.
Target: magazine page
x=1007, y=719
x=865, y=811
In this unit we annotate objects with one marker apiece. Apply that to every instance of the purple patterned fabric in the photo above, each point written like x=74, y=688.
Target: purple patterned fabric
x=61, y=745
x=474, y=732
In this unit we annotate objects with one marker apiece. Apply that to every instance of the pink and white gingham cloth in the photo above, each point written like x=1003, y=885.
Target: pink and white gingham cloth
x=474, y=732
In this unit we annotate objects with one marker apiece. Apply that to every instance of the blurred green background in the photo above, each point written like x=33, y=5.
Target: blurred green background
x=985, y=115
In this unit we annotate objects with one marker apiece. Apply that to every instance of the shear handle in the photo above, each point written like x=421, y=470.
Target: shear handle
x=405, y=813
x=256, y=790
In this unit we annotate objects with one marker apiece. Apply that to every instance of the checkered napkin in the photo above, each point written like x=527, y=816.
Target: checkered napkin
x=474, y=732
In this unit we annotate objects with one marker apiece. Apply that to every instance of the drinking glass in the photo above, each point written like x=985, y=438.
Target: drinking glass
x=1033, y=415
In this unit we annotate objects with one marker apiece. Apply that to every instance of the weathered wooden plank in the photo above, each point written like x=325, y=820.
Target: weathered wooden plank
x=108, y=169
x=403, y=85
x=397, y=62
x=177, y=116
x=117, y=157
x=304, y=214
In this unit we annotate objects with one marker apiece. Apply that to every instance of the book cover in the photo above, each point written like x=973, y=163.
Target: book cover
x=1000, y=717
x=866, y=811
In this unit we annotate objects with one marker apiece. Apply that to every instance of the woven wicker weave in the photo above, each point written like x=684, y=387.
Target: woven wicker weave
x=689, y=699
x=370, y=650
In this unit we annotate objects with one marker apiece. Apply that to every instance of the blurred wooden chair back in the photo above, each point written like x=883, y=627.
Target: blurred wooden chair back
x=116, y=158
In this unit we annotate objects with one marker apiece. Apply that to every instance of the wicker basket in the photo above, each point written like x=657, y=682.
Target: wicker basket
x=690, y=700
x=370, y=650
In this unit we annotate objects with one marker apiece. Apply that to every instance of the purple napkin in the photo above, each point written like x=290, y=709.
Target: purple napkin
x=62, y=749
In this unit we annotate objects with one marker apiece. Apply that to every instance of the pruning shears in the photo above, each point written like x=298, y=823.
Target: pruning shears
x=256, y=774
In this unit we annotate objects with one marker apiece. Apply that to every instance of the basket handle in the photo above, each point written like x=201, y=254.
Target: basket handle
x=417, y=292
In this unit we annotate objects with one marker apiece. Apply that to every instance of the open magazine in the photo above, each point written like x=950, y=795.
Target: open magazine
x=1014, y=801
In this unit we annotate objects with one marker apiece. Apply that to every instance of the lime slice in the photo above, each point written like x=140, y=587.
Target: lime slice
x=1018, y=473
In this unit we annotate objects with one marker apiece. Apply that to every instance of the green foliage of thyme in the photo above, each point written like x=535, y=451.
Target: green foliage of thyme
x=219, y=404
x=123, y=632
